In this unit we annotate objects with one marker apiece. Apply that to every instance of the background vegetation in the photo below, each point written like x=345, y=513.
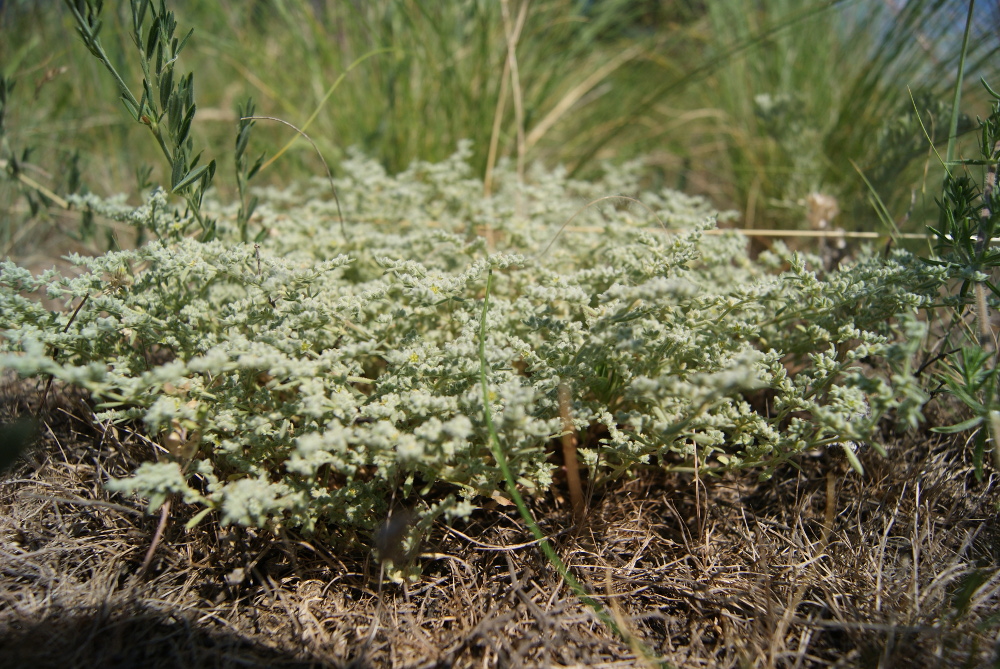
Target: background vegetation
x=757, y=105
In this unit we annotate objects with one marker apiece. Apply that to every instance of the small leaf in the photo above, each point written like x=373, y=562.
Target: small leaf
x=958, y=427
x=152, y=39
x=990, y=90
x=139, y=13
x=500, y=499
x=242, y=138
x=256, y=167
x=190, y=178
x=156, y=500
x=198, y=517
x=993, y=288
x=131, y=108
x=177, y=169
x=166, y=87
x=185, y=126
x=852, y=457
x=179, y=46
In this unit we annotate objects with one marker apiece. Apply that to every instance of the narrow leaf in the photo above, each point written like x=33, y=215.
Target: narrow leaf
x=190, y=178
x=958, y=427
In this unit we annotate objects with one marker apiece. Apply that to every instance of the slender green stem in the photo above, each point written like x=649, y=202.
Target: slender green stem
x=522, y=508
x=122, y=86
x=319, y=107
x=154, y=128
x=956, y=101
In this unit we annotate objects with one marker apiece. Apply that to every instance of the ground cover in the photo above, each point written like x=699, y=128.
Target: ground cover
x=294, y=426
x=816, y=567
x=682, y=541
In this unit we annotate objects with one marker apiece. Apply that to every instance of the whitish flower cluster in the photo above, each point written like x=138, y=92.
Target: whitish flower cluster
x=303, y=381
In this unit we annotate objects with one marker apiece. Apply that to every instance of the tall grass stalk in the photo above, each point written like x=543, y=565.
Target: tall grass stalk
x=432, y=75
x=959, y=79
x=443, y=79
x=405, y=80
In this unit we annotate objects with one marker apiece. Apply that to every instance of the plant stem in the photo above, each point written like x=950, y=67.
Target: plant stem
x=522, y=508
x=569, y=456
x=956, y=100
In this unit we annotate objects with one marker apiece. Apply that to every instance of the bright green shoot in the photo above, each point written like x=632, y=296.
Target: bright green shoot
x=522, y=508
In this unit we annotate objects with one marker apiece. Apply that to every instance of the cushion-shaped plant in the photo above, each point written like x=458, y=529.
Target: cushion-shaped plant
x=303, y=379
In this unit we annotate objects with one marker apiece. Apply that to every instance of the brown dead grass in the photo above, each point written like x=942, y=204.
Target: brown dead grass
x=817, y=567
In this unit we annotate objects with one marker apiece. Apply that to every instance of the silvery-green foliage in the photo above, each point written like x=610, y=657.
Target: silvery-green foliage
x=315, y=374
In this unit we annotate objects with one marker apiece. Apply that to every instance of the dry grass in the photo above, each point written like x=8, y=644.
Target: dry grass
x=814, y=568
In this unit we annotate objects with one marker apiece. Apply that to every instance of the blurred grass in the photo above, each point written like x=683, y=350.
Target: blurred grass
x=757, y=104
x=805, y=103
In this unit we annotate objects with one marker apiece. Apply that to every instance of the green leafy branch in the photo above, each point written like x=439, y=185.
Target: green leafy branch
x=968, y=223
x=166, y=104
x=246, y=170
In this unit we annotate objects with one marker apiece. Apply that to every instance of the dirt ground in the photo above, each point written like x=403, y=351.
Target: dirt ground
x=816, y=567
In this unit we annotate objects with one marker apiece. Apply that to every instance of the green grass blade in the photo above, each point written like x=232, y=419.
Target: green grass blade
x=522, y=508
x=956, y=101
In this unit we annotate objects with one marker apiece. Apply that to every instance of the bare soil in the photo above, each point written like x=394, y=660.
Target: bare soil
x=816, y=567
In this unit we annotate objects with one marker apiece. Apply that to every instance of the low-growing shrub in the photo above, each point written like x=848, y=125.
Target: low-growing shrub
x=304, y=379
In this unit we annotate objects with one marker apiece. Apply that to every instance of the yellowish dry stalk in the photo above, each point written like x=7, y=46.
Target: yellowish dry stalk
x=569, y=455
x=762, y=232
x=513, y=33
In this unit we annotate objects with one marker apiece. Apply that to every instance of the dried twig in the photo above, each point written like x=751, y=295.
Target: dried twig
x=157, y=537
